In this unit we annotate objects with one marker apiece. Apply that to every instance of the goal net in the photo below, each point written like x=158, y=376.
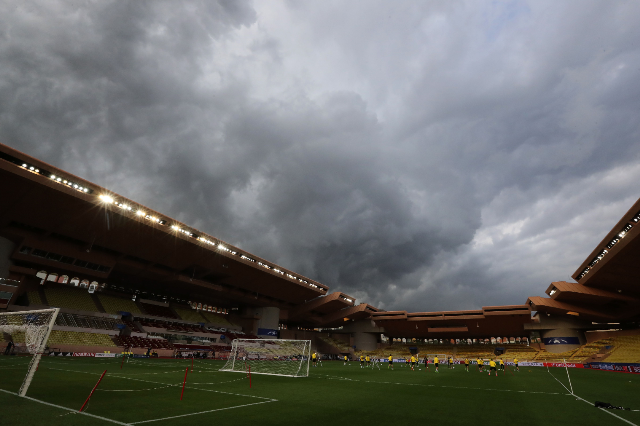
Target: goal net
x=270, y=356
x=30, y=330
x=442, y=358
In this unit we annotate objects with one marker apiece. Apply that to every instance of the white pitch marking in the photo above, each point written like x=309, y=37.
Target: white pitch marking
x=202, y=412
x=608, y=412
x=68, y=409
x=440, y=386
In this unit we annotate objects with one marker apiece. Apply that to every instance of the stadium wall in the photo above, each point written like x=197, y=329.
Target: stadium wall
x=6, y=248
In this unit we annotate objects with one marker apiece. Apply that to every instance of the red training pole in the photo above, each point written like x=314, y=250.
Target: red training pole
x=184, y=383
x=122, y=362
x=92, y=391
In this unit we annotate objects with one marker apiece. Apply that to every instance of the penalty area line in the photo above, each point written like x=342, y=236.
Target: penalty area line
x=201, y=412
x=67, y=409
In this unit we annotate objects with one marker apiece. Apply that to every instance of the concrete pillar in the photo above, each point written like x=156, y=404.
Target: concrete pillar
x=268, y=322
x=6, y=249
x=365, y=341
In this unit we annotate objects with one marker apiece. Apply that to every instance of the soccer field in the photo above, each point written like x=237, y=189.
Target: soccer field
x=147, y=391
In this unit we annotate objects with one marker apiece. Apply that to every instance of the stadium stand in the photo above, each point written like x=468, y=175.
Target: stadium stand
x=171, y=326
x=544, y=356
x=34, y=298
x=142, y=342
x=522, y=352
x=115, y=305
x=625, y=349
x=58, y=337
x=69, y=297
x=157, y=310
x=216, y=319
x=339, y=344
x=17, y=337
x=189, y=315
x=590, y=349
x=84, y=321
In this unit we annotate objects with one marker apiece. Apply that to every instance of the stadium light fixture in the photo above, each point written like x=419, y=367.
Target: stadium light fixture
x=140, y=213
x=106, y=198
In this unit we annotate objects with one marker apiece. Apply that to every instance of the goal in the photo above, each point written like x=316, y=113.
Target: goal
x=442, y=358
x=32, y=327
x=270, y=356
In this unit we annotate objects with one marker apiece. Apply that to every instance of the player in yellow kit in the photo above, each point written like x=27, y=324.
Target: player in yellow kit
x=390, y=362
x=368, y=360
x=314, y=359
x=492, y=367
x=435, y=363
x=481, y=365
x=346, y=359
x=413, y=362
x=501, y=365
x=361, y=361
x=466, y=364
x=515, y=361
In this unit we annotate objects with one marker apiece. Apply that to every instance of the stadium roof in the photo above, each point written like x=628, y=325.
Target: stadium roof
x=607, y=288
x=75, y=226
x=65, y=223
x=488, y=321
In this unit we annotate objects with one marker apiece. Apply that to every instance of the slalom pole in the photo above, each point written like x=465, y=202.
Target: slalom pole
x=92, y=391
x=185, y=382
x=569, y=377
x=249, y=376
x=122, y=361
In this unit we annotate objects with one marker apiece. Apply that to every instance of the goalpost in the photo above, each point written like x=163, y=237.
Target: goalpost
x=270, y=356
x=36, y=327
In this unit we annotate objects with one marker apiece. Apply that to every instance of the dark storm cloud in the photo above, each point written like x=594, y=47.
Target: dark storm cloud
x=418, y=156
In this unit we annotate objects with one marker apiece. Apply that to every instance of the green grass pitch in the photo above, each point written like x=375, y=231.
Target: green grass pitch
x=147, y=391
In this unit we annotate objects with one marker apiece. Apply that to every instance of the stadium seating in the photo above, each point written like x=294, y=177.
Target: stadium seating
x=17, y=337
x=590, y=349
x=142, y=342
x=339, y=344
x=58, y=337
x=115, y=305
x=544, y=356
x=34, y=298
x=626, y=349
x=84, y=321
x=217, y=319
x=70, y=297
x=190, y=315
x=157, y=310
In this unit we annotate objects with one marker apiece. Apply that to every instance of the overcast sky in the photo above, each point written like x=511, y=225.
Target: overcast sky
x=416, y=155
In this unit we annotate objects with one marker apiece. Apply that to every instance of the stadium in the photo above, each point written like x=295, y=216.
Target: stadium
x=112, y=313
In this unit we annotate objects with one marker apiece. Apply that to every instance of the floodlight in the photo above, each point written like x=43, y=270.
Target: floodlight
x=106, y=199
